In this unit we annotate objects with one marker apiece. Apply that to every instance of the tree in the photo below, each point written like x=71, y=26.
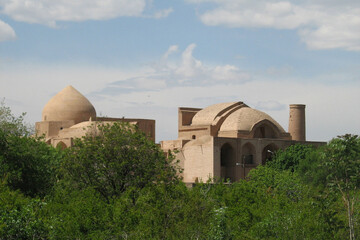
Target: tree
x=341, y=158
x=291, y=157
x=116, y=157
x=28, y=164
x=20, y=216
x=78, y=214
x=10, y=124
x=336, y=168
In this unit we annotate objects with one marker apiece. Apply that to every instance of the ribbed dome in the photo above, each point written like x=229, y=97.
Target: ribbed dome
x=245, y=118
x=69, y=104
x=208, y=115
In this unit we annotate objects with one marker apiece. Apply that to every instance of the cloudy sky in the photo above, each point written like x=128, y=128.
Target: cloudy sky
x=146, y=58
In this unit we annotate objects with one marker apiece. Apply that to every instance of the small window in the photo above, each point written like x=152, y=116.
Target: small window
x=61, y=128
x=193, y=137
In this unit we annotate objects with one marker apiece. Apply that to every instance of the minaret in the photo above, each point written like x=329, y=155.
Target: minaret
x=297, y=122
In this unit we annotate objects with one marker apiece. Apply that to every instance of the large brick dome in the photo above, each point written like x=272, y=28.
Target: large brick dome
x=68, y=104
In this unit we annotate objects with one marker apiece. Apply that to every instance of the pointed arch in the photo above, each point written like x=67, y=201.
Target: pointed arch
x=265, y=129
x=248, y=153
x=227, y=161
x=268, y=152
x=61, y=145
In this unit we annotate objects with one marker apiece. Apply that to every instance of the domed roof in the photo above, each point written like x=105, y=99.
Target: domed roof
x=69, y=104
x=208, y=115
x=84, y=125
x=245, y=118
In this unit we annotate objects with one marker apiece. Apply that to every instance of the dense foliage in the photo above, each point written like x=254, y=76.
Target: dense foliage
x=29, y=165
x=26, y=163
x=119, y=185
x=291, y=158
x=114, y=158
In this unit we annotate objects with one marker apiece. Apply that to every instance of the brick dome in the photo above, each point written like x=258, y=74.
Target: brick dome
x=68, y=104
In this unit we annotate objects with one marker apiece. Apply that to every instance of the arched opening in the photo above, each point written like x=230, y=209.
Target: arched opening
x=264, y=131
x=248, y=154
x=61, y=145
x=268, y=153
x=227, y=162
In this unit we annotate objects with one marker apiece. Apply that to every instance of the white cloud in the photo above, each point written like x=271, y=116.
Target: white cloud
x=163, y=13
x=49, y=12
x=193, y=71
x=157, y=91
x=29, y=86
x=270, y=105
x=321, y=24
x=172, y=49
x=190, y=66
x=326, y=116
x=183, y=70
x=6, y=32
x=279, y=71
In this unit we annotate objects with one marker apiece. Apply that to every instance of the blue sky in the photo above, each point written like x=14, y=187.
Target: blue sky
x=142, y=58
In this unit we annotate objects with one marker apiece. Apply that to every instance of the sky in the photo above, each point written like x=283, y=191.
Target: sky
x=146, y=58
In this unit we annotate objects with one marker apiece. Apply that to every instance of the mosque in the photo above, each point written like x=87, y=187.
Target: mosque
x=69, y=115
x=224, y=140
x=227, y=140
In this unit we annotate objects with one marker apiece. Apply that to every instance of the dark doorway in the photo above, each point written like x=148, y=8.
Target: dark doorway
x=248, y=154
x=227, y=162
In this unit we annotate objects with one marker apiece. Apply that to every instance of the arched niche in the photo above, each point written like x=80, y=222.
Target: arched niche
x=227, y=161
x=268, y=152
x=265, y=129
x=248, y=154
x=61, y=145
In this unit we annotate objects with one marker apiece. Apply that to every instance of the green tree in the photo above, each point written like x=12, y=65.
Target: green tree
x=286, y=208
x=291, y=157
x=162, y=211
x=336, y=167
x=117, y=157
x=10, y=124
x=28, y=164
x=341, y=158
x=77, y=214
x=20, y=216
